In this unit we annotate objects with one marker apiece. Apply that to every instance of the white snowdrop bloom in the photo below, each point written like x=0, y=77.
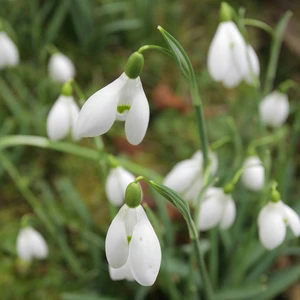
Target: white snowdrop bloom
x=9, y=54
x=272, y=221
x=216, y=208
x=186, y=177
x=116, y=184
x=230, y=60
x=61, y=68
x=62, y=118
x=274, y=109
x=31, y=244
x=131, y=239
x=124, y=100
x=253, y=176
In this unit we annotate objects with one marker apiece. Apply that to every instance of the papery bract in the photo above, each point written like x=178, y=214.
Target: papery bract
x=9, y=54
x=253, y=176
x=124, y=100
x=31, y=244
x=61, y=68
x=216, y=208
x=62, y=118
x=272, y=221
x=274, y=109
x=131, y=240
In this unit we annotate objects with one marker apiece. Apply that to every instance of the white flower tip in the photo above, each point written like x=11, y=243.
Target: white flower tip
x=9, y=54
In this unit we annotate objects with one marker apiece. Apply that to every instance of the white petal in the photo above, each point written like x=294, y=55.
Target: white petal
x=23, y=245
x=9, y=54
x=293, y=220
x=254, y=174
x=121, y=273
x=218, y=60
x=211, y=209
x=192, y=193
x=272, y=228
x=233, y=77
x=116, y=243
x=274, y=109
x=61, y=68
x=38, y=245
x=116, y=184
x=58, y=120
x=74, y=111
x=144, y=253
x=99, y=111
x=138, y=117
x=253, y=65
x=229, y=212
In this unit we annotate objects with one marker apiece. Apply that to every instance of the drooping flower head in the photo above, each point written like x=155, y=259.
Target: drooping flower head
x=253, y=176
x=186, y=177
x=216, y=208
x=272, y=221
x=31, y=244
x=230, y=60
x=123, y=100
x=274, y=109
x=63, y=116
x=9, y=54
x=132, y=247
x=61, y=68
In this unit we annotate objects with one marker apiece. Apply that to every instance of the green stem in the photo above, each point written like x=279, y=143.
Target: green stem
x=259, y=24
x=274, y=52
x=213, y=256
x=42, y=142
x=36, y=206
x=155, y=47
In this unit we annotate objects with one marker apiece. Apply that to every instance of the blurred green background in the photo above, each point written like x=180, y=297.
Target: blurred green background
x=99, y=36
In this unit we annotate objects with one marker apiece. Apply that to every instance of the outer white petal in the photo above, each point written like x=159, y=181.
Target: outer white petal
x=116, y=184
x=138, y=116
x=272, y=228
x=218, y=59
x=181, y=177
x=99, y=111
x=274, y=109
x=229, y=212
x=253, y=65
x=192, y=193
x=38, y=245
x=9, y=54
x=232, y=78
x=58, y=120
x=211, y=209
x=23, y=245
x=144, y=253
x=116, y=244
x=74, y=111
x=293, y=219
x=122, y=273
x=254, y=175
x=60, y=68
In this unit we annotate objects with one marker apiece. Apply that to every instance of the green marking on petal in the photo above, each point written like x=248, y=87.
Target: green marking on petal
x=129, y=239
x=122, y=108
x=231, y=45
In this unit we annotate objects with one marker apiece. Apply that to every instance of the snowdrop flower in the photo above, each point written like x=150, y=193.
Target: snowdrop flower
x=186, y=177
x=61, y=68
x=116, y=184
x=272, y=221
x=274, y=109
x=9, y=54
x=216, y=208
x=31, y=244
x=63, y=116
x=230, y=59
x=132, y=247
x=253, y=176
x=123, y=100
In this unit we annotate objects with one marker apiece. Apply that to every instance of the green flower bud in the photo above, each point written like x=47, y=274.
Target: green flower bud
x=133, y=195
x=228, y=188
x=67, y=89
x=134, y=65
x=226, y=12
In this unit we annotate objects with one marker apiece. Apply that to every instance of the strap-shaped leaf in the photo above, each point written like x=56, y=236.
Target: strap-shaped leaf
x=179, y=203
x=178, y=53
